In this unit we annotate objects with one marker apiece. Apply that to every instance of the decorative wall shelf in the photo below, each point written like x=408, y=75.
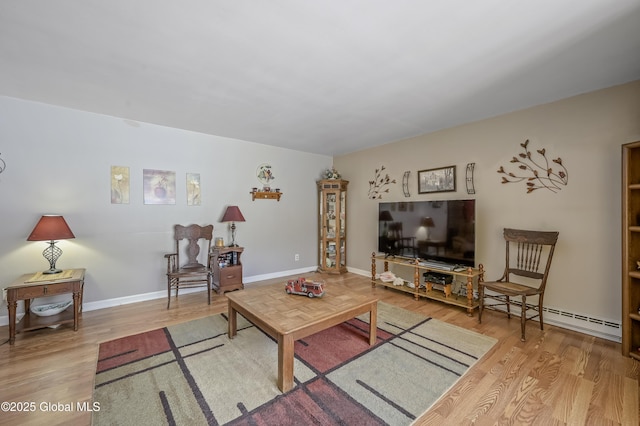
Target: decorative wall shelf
x=265, y=195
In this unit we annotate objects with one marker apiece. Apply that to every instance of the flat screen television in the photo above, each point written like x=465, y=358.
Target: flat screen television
x=440, y=231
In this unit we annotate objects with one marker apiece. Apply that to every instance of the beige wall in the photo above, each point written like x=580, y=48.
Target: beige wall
x=585, y=131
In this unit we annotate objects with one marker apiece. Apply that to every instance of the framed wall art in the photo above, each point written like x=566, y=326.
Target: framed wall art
x=119, y=185
x=264, y=174
x=193, y=189
x=159, y=186
x=437, y=180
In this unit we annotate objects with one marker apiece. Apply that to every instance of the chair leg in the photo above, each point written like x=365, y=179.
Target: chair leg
x=523, y=317
x=168, y=292
x=209, y=290
x=481, y=306
x=508, y=306
x=173, y=283
x=540, y=312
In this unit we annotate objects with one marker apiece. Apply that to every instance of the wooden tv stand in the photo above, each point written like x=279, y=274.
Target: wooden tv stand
x=446, y=296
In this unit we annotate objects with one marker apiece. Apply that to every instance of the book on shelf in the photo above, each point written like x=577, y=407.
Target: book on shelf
x=228, y=259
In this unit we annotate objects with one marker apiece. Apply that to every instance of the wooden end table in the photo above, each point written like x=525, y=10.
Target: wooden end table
x=288, y=318
x=30, y=286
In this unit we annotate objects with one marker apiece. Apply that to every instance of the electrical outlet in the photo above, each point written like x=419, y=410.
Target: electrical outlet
x=296, y=257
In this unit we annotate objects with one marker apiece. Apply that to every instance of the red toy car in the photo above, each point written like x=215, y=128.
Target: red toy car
x=305, y=288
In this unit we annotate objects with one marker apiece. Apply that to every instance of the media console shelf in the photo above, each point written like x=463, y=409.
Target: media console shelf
x=446, y=296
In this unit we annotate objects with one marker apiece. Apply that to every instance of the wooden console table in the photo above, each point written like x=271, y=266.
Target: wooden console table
x=429, y=292
x=31, y=286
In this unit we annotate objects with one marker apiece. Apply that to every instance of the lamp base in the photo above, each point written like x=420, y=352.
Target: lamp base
x=52, y=253
x=233, y=235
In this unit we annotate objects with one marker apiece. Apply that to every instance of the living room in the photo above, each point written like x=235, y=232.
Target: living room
x=58, y=160
x=122, y=245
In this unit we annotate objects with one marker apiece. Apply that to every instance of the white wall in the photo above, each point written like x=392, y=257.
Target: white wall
x=58, y=161
x=585, y=131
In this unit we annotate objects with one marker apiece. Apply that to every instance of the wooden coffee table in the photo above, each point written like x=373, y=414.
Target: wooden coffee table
x=288, y=318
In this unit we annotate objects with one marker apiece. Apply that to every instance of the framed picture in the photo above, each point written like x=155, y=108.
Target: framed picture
x=437, y=180
x=119, y=185
x=193, y=189
x=159, y=186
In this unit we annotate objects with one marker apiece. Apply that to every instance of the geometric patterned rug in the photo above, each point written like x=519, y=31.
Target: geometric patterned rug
x=192, y=374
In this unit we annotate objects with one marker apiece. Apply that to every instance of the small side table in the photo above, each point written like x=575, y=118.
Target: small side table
x=227, y=268
x=30, y=286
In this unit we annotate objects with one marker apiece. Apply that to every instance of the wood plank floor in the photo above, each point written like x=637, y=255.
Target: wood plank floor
x=557, y=377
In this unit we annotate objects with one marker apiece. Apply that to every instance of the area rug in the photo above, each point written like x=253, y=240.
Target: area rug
x=192, y=374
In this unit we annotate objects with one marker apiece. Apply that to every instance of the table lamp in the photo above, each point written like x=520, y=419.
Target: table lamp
x=233, y=214
x=427, y=222
x=50, y=228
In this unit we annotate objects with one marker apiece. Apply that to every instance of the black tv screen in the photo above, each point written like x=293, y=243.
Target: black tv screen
x=441, y=231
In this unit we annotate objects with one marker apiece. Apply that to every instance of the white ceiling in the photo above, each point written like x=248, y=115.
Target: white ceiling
x=328, y=77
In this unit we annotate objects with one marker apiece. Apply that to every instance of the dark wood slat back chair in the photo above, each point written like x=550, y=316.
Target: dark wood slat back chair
x=528, y=256
x=193, y=273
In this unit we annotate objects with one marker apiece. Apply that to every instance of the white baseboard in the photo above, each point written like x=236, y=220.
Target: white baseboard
x=360, y=272
x=109, y=303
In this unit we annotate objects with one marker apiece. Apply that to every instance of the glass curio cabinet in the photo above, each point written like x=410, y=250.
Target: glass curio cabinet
x=332, y=230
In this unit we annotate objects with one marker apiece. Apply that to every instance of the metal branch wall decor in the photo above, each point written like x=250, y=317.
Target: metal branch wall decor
x=379, y=184
x=536, y=171
x=3, y=165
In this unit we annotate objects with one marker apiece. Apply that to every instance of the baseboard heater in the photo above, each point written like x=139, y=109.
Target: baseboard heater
x=606, y=329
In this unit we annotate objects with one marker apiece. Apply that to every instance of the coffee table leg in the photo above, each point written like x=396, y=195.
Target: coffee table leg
x=285, y=362
x=373, y=323
x=232, y=321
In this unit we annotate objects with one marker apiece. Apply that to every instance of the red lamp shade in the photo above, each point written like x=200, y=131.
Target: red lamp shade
x=49, y=228
x=427, y=222
x=232, y=214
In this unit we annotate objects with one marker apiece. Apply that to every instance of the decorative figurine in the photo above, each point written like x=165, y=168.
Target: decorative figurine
x=305, y=288
x=331, y=174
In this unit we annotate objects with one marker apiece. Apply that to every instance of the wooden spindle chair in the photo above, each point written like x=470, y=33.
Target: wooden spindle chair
x=530, y=262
